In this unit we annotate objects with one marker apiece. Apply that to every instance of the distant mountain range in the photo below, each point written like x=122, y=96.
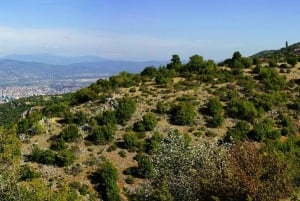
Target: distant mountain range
x=53, y=59
x=19, y=68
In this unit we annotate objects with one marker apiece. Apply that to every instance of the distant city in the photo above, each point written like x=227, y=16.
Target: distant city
x=10, y=93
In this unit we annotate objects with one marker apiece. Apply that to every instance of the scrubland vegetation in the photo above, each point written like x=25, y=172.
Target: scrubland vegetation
x=185, y=131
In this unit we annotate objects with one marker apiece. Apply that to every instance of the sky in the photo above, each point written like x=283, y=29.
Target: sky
x=147, y=30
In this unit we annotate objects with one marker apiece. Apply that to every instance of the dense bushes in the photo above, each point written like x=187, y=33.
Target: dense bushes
x=102, y=134
x=264, y=130
x=215, y=110
x=49, y=157
x=108, y=175
x=242, y=109
x=148, y=123
x=126, y=108
x=70, y=133
x=210, y=171
x=271, y=79
x=237, y=133
x=130, y=141
x=183, y=113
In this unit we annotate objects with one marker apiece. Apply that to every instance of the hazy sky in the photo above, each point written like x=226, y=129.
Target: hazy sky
x=147, y=29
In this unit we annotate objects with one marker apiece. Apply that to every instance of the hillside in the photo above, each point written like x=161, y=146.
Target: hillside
x=194, y=131
x=279, y=54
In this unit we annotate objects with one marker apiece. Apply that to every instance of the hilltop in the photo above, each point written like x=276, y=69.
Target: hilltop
x=184, y=131
x=279, y=54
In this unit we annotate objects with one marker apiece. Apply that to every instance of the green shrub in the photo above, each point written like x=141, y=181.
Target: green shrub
x=28, y=173
x=70, y=133
x=102, y=134
x=147, y=124
x=58, y=144
x=262, y=130
x=130, y=141
x=161, y=107
x=125, y=110
x=145, y=169
x=243, y=109
x=65, y=158
x=129, y=180
x=237, y=133
x=107, y=117
x=183, y=113
x=108, y=177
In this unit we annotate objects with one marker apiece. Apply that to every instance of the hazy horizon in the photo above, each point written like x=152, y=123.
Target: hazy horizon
x=146, y=30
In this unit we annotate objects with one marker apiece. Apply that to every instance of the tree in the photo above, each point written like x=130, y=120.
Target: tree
x=145, y=169
x=271, y=79
x=28, y=173
x=70, y=133
x=65, y=158
x=214, y=106
x=262, y=130
x=215, y=109
x=272, y=63
x=161, y=107
x=108, y=177
x=237, y=133
x=195, y=64
x=102, y=134
x=175, y=63
x=80, y=118
x=84, y=95
x=247, y=62
x=292, y=60
x=131, y=141
x=236, y=56
x=243, y=109
x=147, y=124
x=125, y=110
x=149, y=71
x=107, y=117
x=183, y=113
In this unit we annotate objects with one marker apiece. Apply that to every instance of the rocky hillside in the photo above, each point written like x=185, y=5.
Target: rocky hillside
x=194, y=131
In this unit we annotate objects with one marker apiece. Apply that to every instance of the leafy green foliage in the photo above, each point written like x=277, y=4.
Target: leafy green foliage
x=28, y=173
x=65, y=158
x=84, y=95
x=215, y=109
x=182, y=113
x=58, y=144
x=237, y=133
x=125, y=110
x=147, y=124
x=262, y=130
x=292, y=60
x=123, y=79
x=175, y=63
x=243, y=109
x=271, y=79
x=108, y=176
x=213, y=171
x=54, y=109
x=145, y=169
x=161, y=107
x=149, y=71
x=102, y=134
x=130, y=141
x=107, y=117
x=70, y=133
x=80, y=118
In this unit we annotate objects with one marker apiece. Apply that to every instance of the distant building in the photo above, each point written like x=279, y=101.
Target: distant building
x=297, y=51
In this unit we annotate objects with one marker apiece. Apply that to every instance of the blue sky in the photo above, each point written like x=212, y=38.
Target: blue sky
x=147, y=30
